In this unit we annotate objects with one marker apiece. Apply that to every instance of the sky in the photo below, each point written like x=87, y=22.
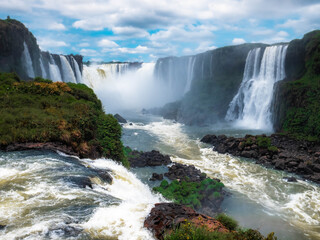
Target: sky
x=145, y=30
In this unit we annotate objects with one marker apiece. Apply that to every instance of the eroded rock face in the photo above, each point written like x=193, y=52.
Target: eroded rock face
x=282, y=153
x=165, y=216
x=120, y=118
x=145, y=159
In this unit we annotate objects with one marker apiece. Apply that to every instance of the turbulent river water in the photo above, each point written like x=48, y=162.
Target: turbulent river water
x=42, y=197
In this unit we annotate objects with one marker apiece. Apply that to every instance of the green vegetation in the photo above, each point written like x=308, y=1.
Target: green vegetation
x=302, y=96
x=227, y=221
x=189, y=231
x=263, y=142
x=43, y=111
x=190, y=193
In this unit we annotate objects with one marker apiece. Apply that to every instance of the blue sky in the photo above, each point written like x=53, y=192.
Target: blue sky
x=144, y=30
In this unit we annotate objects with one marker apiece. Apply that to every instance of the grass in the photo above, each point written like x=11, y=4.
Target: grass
x=190, y=193
x=45, y=111
x=188, y=231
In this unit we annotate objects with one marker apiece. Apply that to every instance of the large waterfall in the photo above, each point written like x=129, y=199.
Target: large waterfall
x=125, y=86
x=251, y=106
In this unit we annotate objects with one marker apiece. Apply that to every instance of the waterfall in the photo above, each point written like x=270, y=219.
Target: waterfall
x=190, y=68
x=43, y=70
x=251, y=105
x=27, y=61
x=67, y=72
x=55, y=74
x=77, y=71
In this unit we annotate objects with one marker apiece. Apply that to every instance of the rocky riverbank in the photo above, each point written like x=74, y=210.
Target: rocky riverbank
x=278, y=151
x=165, y=216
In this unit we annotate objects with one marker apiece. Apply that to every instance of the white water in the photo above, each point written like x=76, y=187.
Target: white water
x=77, y=71
x=190, y=71
x=67, y=72
x=283, y=207
x=55, y=74
x=37, y=200
x=120, y=88
x=124, y=221
x=43, y=71
x=250, y=108
x=27, y=61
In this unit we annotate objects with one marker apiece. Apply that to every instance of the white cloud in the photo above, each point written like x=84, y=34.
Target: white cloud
x=88, y=52
x=130, y=32
x=237, y=41
x=84, y=44
x=47, y=43
x=106, y=43
x=56, y=26
x=138, y=49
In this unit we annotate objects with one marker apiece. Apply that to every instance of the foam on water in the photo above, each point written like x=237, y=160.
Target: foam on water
x=38, y=200
x=124, y=221
x=296, y=203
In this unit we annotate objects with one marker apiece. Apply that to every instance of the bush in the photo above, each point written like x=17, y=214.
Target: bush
x=263, y=142
x=45, y=111
x=227, y=221
x=273, y=149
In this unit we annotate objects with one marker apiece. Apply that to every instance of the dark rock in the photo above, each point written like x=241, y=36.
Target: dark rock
x=2, y=227
x=119, y=118
x=104, y=175
x=179, y=171
x=290, y=179
x=166, y=216
x=156, y=177
x=143, y=159
x=82, y=182
x=300, y=157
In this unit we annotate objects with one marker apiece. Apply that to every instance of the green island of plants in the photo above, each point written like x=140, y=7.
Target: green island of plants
x=190, y=193
x=43, y=111
x=188, y=231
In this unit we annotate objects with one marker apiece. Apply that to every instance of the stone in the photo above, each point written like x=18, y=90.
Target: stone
x=156, y=177
x=144, y=159
x=119, y=118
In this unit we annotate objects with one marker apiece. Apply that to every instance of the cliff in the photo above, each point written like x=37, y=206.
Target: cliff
x=20, y=53
x=214, y=78
x=296, y=100
x=61, y=116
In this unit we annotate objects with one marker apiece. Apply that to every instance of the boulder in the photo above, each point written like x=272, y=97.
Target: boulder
x=119, y=118
x=156, y=177
x=164, y=217
x=144, y=159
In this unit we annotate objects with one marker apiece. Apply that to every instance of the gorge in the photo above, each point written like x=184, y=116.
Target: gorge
x=234, y=91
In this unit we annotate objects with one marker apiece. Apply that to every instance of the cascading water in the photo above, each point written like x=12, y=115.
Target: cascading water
x=251, y=106
x=27, y=61
x=67, y=71
x=55, y=74
x=43, y=71
x=190, y=69
x=77, y=71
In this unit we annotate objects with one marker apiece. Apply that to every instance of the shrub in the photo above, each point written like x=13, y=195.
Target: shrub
x=227, y=221
x=273, y=149
x=263, y=142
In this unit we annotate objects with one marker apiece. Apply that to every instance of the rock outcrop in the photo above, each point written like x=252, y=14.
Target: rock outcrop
x=164, y=217
x=278, y=151
x=148, y=159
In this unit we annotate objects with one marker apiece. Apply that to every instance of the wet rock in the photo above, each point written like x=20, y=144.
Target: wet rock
x=166, y=216
x=104, y=175
x=156, y=177
x=2, y=227
x=144, y=159
x=283, y=153
x=120, y=118
x=64, y=231
x=179, y=171
x=290, y=179
x=82, y=182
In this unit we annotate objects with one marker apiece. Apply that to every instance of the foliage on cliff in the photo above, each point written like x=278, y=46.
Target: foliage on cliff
x=301, y=97
x=43, y=111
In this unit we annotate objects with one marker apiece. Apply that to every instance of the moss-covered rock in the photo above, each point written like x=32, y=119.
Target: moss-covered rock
x=42, y=111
